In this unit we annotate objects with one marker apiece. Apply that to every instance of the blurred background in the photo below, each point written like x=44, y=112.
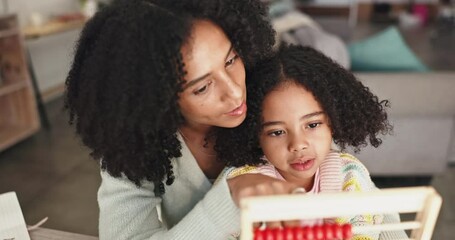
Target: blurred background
x=402, y=50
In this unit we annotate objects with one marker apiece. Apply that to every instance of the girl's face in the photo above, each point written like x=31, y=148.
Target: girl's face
x=214, y=90
x=296, y=135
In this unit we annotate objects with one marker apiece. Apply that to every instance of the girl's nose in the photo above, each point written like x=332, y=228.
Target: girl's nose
x=298, y=142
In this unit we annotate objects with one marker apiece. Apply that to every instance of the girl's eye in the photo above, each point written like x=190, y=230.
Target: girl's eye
x=231, y=61
x=314, y=125
x=276, y=133
x=202, y=89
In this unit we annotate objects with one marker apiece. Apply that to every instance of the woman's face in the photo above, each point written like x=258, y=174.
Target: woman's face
x=214, y=91
x=296, y=136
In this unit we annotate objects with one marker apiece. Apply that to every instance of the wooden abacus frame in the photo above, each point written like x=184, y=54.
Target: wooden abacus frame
x=424, y=201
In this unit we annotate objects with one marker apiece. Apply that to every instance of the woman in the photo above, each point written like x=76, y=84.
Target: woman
x=150, y=82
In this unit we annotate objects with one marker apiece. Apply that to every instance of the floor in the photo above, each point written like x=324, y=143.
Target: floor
x=54, y=177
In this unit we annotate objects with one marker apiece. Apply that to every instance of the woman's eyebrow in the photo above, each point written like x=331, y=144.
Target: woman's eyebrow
x=228, y=52
x=196, y=80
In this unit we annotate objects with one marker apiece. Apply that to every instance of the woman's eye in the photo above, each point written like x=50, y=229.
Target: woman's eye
x=231, y=61
x=276, y=133
x=202, y=89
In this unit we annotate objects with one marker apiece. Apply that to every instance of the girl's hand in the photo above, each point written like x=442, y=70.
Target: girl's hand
x=248, y=185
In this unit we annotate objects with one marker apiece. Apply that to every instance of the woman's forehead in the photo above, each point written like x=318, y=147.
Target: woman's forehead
x=206, y=48
x=204, y=36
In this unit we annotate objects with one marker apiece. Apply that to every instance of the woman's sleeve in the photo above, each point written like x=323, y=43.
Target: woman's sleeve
x=215, y=217
x=130, y=212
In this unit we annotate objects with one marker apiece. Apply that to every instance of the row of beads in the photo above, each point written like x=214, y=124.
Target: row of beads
x=317, y=232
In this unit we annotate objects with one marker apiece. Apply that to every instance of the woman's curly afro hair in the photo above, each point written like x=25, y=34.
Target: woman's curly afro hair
x=355, y=114
x=122, y=88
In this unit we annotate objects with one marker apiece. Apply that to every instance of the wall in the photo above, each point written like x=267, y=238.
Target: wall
x=452, y=150
x=51, y=55
x=46, y=7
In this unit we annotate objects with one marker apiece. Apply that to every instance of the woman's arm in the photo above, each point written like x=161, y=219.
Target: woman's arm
x=256, y=181
x=129, y=212
x=126, y=211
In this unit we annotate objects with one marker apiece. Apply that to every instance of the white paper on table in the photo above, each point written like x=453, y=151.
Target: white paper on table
x=12, y=223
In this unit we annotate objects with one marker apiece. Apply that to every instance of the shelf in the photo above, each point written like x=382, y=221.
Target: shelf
x=9, y=33
x=9, y=135
x=18, y=111
x=18, y=115
x=12, y=87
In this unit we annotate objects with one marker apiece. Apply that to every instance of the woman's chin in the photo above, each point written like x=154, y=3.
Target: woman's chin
x=233, y=122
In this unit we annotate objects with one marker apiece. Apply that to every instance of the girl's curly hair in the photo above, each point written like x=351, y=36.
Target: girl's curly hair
x=122, y=88
x=355, y=114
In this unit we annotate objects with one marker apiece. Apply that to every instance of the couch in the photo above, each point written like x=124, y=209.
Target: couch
x=423, y=114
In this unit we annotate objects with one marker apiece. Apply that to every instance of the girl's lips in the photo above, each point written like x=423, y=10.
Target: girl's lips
x=238, y=111
x=302, y=165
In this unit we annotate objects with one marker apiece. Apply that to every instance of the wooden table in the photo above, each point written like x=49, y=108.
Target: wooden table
x=52, y=27
x=49, y=234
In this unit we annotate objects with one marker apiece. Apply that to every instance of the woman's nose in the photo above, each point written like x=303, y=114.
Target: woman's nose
x=233, y=90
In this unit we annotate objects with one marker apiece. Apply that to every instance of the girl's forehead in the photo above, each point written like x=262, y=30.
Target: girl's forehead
x=288, y=85
x=289, y=98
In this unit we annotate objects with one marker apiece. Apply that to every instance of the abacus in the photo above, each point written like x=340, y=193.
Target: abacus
x=424, y=202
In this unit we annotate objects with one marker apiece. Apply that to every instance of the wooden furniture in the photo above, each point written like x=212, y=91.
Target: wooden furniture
x=54, y=26
x=424, y=202
x=18, y=113
x=48, y=234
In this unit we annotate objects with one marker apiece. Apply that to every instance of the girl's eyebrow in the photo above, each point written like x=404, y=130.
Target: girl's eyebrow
x=306, y=116
x=196, y=80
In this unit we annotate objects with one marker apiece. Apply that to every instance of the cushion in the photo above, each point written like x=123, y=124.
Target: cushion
x=385, y=51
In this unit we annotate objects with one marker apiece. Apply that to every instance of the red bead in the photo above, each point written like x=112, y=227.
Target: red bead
x=259, y=234
x=299, y=233
x=318, y=232
x=268, y=234
x=278, y=234
x=337, y=231
x=328, y=231
x=347, y=231
x=288, y=233
x=308, y=233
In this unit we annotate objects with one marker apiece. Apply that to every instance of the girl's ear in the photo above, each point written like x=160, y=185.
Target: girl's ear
x=334, y=146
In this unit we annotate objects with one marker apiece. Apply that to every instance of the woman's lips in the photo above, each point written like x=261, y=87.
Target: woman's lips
x=240, y=110
x=302, y=165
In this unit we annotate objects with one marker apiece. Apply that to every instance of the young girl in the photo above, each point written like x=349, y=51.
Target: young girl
x=150, y=81
x=299, y=103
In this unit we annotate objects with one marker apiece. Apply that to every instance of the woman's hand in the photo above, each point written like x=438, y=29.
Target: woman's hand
x=248, y=185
